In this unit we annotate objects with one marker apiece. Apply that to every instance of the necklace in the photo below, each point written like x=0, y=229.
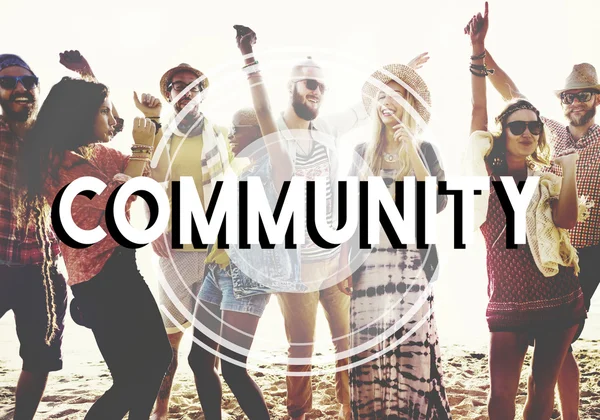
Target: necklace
x=390, y=157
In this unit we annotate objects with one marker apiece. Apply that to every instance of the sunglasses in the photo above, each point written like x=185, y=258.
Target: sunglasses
x=312, y=84
x=180, y=86
x=518, y=127
x=568, y=98
x=10, y=82
x=235, y=128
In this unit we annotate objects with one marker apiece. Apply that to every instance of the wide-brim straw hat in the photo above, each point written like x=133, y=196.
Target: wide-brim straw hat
x=168, y=76
x=406, y=77
x=583, y=76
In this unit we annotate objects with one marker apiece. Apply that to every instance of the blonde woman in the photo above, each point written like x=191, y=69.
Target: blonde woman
x=397, y=372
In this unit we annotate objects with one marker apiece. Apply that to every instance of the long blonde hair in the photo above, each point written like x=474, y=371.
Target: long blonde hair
x=374, y=149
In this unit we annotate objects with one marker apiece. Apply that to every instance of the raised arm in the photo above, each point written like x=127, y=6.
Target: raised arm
x=281, y=162
x=501, y=81
x=151, y=107
x=477, y=30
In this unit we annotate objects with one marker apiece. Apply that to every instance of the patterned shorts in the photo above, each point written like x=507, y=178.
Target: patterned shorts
x=180, y=279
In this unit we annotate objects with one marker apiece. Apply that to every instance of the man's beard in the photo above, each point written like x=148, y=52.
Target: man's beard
x=302, y=110
x=27, y=114
x=584, y=119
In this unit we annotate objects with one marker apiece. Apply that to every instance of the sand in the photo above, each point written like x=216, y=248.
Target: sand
x=460, y=307
x=71, y=392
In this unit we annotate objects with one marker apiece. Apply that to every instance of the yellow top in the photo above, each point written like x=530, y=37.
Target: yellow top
x=218, y=255
x=186, y=160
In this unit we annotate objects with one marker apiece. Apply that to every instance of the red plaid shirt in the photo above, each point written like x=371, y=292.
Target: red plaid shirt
x=17, y=246
x=588, y=176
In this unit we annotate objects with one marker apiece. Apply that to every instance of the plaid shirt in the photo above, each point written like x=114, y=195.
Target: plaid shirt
x=17, y=246
x=588, y=176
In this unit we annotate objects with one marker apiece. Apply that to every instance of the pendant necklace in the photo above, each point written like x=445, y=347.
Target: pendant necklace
x=390, y=157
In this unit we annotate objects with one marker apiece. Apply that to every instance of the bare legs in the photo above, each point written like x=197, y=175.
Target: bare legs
x=30, y=389
x=161, y=409
x=568, y=388
x=202, y=362
x=548, y=356
x=507, y=352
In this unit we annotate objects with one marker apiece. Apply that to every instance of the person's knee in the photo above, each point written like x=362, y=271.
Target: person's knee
x=541, y=390
x=174, y=361
x=233, y=374
x=195, y=363
x=201, y=362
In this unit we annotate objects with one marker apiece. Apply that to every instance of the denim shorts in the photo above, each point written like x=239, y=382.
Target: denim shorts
x=217, y=289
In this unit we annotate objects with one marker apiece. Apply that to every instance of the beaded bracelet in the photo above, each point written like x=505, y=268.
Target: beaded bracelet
x=482, y=69
x=142, y=154
x=141, y=147
x=475, y=73
x=139, y=159
x=479, y=57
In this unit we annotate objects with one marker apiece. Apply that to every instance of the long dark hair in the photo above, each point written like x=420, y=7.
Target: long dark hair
x=65, y=122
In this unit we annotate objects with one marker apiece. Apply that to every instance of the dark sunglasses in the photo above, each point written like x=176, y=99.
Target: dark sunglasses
x=518, y=127
x=180, y=86
x=10, y=82
x=568, y=98
x=312, y=84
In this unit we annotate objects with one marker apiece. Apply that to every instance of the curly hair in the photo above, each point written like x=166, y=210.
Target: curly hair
x=246, y=116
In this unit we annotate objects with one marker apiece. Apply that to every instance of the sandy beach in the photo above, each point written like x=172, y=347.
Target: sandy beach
x=463, y=334
x=71, y=392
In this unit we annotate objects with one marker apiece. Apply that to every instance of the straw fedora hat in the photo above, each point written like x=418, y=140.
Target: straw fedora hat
x=166, y=78
x=583, y=76
x=406, y=77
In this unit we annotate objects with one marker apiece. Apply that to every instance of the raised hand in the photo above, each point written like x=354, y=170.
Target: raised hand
x=417, y=62
x=143, y=131
x=345, y=285
x=150, y=105
x=478, y=26
x=73, y=60
x=402, y=135
x=245, y=38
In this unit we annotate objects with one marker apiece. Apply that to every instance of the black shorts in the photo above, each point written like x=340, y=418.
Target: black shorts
x=22, y=290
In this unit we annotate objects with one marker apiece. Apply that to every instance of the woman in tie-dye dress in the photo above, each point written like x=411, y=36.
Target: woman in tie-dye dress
x=396, y=365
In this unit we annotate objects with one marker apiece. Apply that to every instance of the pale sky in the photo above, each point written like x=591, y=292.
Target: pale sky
x=130, y=44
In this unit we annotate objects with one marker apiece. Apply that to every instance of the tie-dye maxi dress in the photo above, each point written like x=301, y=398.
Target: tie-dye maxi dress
x=392, y=317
